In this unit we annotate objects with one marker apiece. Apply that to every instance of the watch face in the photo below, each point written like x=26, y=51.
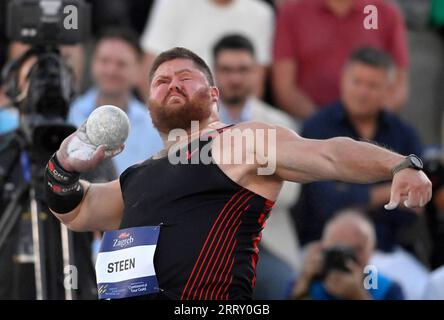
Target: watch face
x=416, y=162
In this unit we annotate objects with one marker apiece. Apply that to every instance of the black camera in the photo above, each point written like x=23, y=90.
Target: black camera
x=49, y=21
x=40, y=84
x=44, y=24
x=336, y=258
x=45, y=110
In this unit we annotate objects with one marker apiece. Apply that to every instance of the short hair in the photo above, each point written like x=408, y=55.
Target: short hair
x=372, y=57
x=181, y=53
x=124, y=34
x=358, y=216
x=233, y=42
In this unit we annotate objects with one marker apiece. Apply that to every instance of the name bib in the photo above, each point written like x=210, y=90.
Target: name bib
x=124, y=265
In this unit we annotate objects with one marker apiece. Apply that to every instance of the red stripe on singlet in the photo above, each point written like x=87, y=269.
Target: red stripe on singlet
x=218, y=236
x=229, y=235
x=203, y=250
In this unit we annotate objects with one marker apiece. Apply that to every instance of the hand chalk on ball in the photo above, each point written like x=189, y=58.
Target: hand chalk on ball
x=109, y=126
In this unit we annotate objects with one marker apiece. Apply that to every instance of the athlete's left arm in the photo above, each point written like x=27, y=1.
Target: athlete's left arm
x=344, y=159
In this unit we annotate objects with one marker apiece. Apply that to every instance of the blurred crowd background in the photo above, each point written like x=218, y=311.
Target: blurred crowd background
x=310, y=65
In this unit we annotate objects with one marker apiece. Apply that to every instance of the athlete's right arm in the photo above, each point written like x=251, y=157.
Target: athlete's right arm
x=100, y=209
x=82, y=206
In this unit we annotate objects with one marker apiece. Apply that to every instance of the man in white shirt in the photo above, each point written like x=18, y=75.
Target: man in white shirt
x=198, y=24
x=234, y=68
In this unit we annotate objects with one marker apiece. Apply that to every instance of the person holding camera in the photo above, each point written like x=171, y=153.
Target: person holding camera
x=30, y=80
x=337, y=266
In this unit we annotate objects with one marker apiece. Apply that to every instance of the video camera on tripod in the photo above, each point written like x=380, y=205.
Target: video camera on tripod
x=43, y=103
x=44, y=24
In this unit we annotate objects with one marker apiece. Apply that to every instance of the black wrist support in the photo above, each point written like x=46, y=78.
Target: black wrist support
x=63, y=189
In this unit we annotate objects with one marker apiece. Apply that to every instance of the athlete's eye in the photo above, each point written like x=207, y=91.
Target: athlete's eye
x=160, y=82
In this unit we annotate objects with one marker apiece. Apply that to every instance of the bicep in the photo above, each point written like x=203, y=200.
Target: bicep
x=302, y=160
x=101, y=208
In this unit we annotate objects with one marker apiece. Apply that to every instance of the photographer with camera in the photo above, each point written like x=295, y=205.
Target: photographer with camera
x=32, y=79
x=334, y=268
x=35, y=250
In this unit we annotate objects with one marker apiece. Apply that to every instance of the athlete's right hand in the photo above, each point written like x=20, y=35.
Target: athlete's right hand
x=78, y=154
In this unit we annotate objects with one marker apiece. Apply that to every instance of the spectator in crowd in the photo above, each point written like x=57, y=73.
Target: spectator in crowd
x=336, y=267
x=234, y=64
x=314, y=38
x=115, y=67
x=434, y=289
x=360, y=114
x=234, y=67
x=172, y=24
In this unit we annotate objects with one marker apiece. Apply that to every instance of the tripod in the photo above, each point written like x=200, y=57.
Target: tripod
x=28, y=194
x=44, y=105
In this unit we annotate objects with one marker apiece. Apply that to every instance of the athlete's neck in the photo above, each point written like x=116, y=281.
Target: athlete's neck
x=196, y=130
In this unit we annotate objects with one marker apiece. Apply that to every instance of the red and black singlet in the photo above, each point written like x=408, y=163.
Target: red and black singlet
x=210, y=227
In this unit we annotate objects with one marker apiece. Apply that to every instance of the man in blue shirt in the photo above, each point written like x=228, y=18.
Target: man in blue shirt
x=115, y=70
x=338, y=266
x=366, y=80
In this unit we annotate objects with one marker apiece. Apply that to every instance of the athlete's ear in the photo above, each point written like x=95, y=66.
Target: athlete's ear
x=214, y=92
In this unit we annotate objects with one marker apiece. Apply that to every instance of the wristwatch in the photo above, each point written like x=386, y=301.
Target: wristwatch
x=411, y=161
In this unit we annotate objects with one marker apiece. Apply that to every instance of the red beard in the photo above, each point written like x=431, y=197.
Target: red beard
x=166, y=118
